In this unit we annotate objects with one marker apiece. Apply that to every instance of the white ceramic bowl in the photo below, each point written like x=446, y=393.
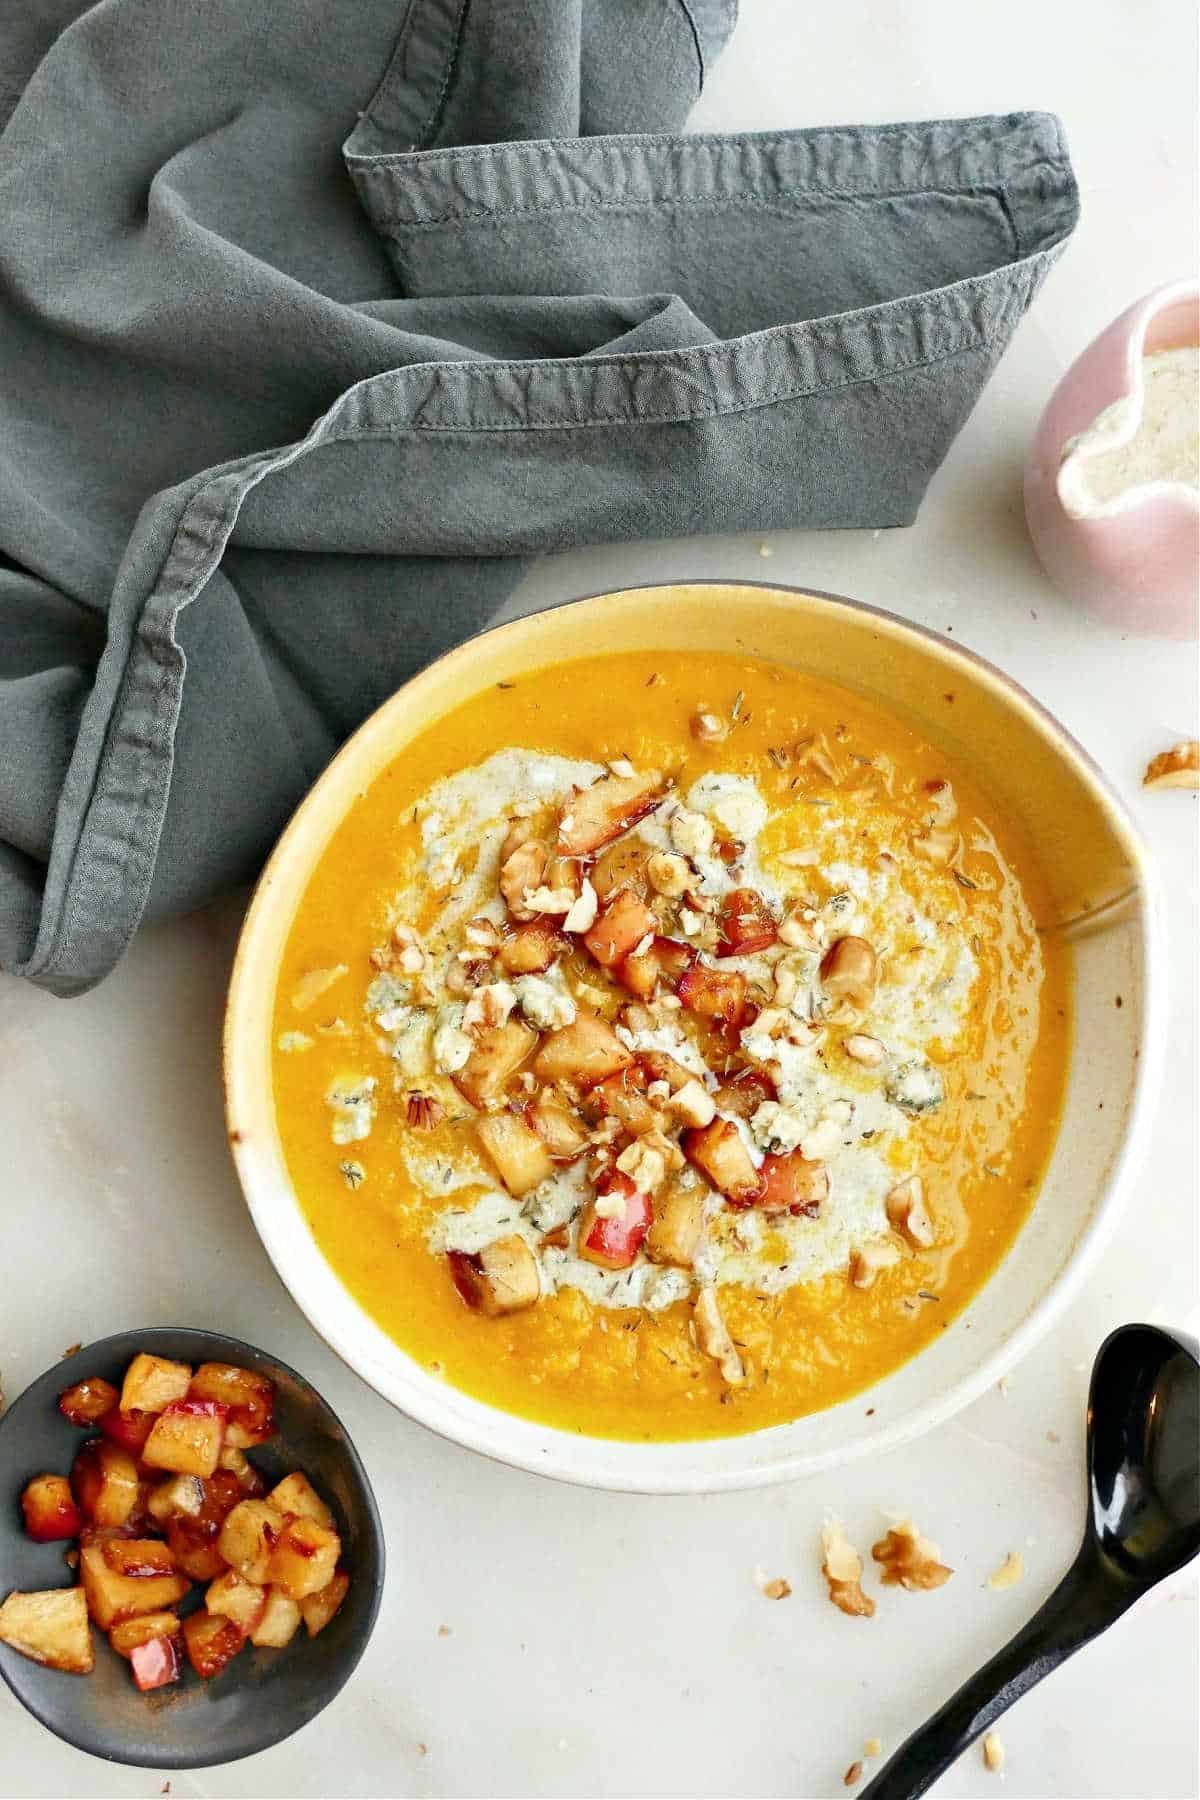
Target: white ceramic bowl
x=1091, y=853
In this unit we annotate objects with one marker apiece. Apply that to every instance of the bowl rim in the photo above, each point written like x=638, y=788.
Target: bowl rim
x=614, y=1467
x=100, y=1347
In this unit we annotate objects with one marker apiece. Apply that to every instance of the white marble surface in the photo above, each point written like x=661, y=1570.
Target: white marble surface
x=608, y=1645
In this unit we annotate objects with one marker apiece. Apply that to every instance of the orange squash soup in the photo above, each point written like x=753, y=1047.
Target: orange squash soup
x=666, y=1047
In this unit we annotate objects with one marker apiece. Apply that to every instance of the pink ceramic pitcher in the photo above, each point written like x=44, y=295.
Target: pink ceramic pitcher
x=1133, y=560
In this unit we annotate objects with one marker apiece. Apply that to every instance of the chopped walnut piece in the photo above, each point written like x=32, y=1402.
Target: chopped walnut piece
x=908, y=1214
x=800, y=928
x=865, y=1050
x=1009, y=1573
x=908, y=1560
x=581, y=915
x=866, y=1262
x=693, y=1102
x=712, y=1335
x=778, y=1589
x=993, y=1753
x=424, y=1111
x=873, y=1747
x=848, y=971
x=853, y=1775
x=1177, y=768
x=709, y=728
x=668, y=874
x=522, y=865
x=842, y=1568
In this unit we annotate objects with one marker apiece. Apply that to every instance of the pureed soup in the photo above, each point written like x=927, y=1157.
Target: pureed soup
x=665, y=1046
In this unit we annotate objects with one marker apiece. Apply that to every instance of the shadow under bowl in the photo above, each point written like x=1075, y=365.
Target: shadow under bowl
x=262, y=1696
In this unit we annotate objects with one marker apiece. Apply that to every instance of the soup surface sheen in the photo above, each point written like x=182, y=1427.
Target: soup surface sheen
x=947, y=1067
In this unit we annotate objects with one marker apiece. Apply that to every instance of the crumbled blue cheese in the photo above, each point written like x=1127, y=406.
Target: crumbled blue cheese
x=915, y=1087
x=733, y=801
x=291, y=1041
x=691, y=833
x=544, y=1003
x=451, y=1045
x=412, y=1046
x=384, y=993
x=352, y=1098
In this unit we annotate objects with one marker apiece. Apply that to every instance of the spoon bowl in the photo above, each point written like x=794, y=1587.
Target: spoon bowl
x=1143, y=1524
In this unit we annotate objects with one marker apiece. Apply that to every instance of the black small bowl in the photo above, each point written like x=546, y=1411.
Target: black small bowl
x=262, y=1696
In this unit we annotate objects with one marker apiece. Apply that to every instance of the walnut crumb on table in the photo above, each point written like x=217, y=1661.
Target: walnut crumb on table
x=853, y=1775
x=842, y=1568
x=1009, y=1573
x=909, y=1560
x=1175, y=768
x=993, y=1753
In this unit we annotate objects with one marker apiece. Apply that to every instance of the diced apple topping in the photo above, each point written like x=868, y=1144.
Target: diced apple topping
x=793, y=1184
x=87, y=1401
x=531, y=948
x=712, y=1335
x=720, y=1154
x=522, y=866
x=50, y=1510
x=500, y=1278
x=747, y=924
x=848, y=972
x=520, y=1157
x=50, y=1627
x=296, y=1494
x=152, y=1382
x=560, y=1129
x=677, y=1232
x=127, y=1634
x=908, y=1214
x=140, y=1558
x=745, y=1093
x=592, y=817
x=180, y=1498
x=318, y=1609
x=716, y=994
x=620, y=929
x=496, y=1055
x=280, y=1621
x=187, y=1437
x=113, y=1596
x=104, y=1480
x=233, y=1597
x=248, y=1537
x=693, y=1103
x=212, y=1642
x=155, y=1663
x=128, y=1430
x=611, y=1237
x=623, y=1097
x=581, y=1055
x=304, y=1558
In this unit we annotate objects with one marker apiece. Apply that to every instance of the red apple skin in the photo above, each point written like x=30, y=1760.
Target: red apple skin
x=619, y=1240
x=716, y=994
x=50, y=1510
x=128, y=1430
x=155, y=1664
x=746, y=924
x=87, y=1401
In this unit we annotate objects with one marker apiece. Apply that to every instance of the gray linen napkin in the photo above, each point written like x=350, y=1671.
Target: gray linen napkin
x=316, y=319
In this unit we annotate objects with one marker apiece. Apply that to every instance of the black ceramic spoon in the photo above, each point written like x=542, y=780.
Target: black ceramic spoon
x=1143, y=1462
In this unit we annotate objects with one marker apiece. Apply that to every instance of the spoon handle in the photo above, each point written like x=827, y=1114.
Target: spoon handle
x=1082, y=1604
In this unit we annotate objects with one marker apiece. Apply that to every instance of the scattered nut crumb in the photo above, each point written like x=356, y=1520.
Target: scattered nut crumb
x=909, y=1560
x=873, y=1747
x=1052, y=1437
x=993, y=1753
x=779, y=1589
x=443, y=1631
x=765, y=550
x=1004, y=1384
x=422, y=1749
x=842, y=1569
x=1175, y=768
x=1009, y=1573
x=853, y=1775
x=165, y=1788
x=72, y=1350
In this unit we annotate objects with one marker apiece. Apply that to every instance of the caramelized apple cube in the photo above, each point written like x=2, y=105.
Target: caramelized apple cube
x=500, y=1278
x=622, y=865
x=139, y=1558
x=248, y=1398
x=87, y=1401
x=592, y=818
x=155, y=1663
x=623, y=924
x=498, y=1053
x=112, y=1596
x=280, y=1620
x=211, y=1641
x=319, y=1608
x=719, y=1153
x=194, y=1542
x=249, y=1479
x=187, y=1437
x=304, y=1558
x=297, y=1495
x=716, y=994
x=50, y=1627
x=745, y=1093
x=747, y=924
x=520, y=1157
x=235, y=1598
x=582, y=1054
x=562, y=1132
x=152, y=1382
x=128, y=1430
x=104, y=1480
x=127, y=1634
x=793, y=1184
x=611, y=1241
x=678, y=1229
x=623, y=1097
x=248, y=1537
x=182, y=1497
x=50, y=1510
x=531, y=948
